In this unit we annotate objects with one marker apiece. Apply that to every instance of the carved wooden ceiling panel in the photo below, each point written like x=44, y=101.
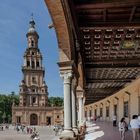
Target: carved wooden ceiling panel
x=111, y=44
x=108, y=32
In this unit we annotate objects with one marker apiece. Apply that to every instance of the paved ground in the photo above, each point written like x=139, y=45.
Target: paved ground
x=105, y=131
x=95, y=131
x=45, y=133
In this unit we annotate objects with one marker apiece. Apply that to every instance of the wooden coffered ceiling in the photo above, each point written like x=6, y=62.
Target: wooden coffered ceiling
x=109, y=35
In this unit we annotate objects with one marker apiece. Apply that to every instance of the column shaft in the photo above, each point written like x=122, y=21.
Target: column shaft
x=67, y=104
x=80, y=110
x=74, y=124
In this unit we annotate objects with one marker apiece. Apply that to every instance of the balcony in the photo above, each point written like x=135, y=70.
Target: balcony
x=30, y=68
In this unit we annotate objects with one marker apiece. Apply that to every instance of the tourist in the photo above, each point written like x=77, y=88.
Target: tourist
x=134, y=123
x=122, y=128
x=114, y=120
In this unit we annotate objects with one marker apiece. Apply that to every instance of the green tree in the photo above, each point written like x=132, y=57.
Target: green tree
x=6, y=102
x=55, y=101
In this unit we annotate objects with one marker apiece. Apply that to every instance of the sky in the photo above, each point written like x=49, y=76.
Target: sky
x=14, y=23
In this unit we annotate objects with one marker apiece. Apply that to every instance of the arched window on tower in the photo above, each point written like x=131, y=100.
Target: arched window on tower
x=37, y=64
x=33, y=64
x=32, y=43
x=28, y=63
x=33, y=53
x=34, y=100
x=34, y=80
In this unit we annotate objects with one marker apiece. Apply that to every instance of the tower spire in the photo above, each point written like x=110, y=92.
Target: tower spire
x=32, y=22
x=32, y=35
x=32, y=31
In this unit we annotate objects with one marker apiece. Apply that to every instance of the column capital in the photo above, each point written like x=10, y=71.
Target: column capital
x=67, y=66
x=80, y=92
x=66, y=75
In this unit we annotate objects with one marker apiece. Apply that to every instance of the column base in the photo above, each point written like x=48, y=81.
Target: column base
x=75, y=130
x=67, y=133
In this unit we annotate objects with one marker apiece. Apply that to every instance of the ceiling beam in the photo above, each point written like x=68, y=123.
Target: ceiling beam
x=124, y=26
x=108, y=5
x=132, y=13
x=108, y=80
x=104, y=15
x=113, y=63
x=94, y=24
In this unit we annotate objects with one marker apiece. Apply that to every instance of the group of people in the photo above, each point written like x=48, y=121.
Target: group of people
x=134, y=125
x=4, y=126
x=29, y=130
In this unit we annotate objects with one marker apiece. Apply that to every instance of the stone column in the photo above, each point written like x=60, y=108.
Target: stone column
x=35, y=62
x=74, y=109
x=30, y=101
x=80, y=100
x=80, y=97
x=67, y=77
x=40, y=63
x=30, y=62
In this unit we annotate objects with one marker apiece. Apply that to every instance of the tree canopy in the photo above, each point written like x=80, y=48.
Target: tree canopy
x=6, y=102
x=55, y=101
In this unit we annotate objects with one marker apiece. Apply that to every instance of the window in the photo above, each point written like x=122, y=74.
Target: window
x=37, y=64
x=34, y=100
x=32, y=43
x=33, y=80
x=126, y=109
x=90, y=113
x=107, y=111
x=33, y=53
x=57, y=116
x=18, y=119
x=115, y=110
x=33, y=90
x=33, y=64
x=95, y=112
x=101, y=112
x=28, y=63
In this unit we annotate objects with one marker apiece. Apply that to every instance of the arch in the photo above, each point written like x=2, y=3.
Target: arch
x=33, y=119
x=63, y=31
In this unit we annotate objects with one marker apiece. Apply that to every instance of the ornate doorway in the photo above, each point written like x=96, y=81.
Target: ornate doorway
x=33, y=119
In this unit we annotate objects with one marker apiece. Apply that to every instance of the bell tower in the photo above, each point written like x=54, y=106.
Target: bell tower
x=33, y=89
x=33, y=108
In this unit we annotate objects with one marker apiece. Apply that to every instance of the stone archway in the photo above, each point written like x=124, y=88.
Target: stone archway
x=33, y=119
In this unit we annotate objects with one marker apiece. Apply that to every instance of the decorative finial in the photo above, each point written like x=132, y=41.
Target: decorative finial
x=32, y=16
x=32, y=22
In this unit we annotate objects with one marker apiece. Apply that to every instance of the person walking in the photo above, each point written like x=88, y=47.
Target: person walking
x=122, y=128
x=114, y=120
x=135, y=124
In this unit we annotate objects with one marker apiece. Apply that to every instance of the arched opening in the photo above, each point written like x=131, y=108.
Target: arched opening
x=33, y=119
x=48, y=121
x=33, y=64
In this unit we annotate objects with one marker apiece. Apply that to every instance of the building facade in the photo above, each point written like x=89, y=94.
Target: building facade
x=33, y=106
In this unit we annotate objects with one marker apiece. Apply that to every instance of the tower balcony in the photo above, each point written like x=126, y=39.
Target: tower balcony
x=35, y=68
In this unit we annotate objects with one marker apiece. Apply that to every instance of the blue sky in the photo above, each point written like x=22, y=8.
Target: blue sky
x=14, y=22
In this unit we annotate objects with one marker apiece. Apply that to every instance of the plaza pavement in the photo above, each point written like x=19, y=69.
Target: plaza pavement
x=45, y=133
x=95, y=131
x=104, y=131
